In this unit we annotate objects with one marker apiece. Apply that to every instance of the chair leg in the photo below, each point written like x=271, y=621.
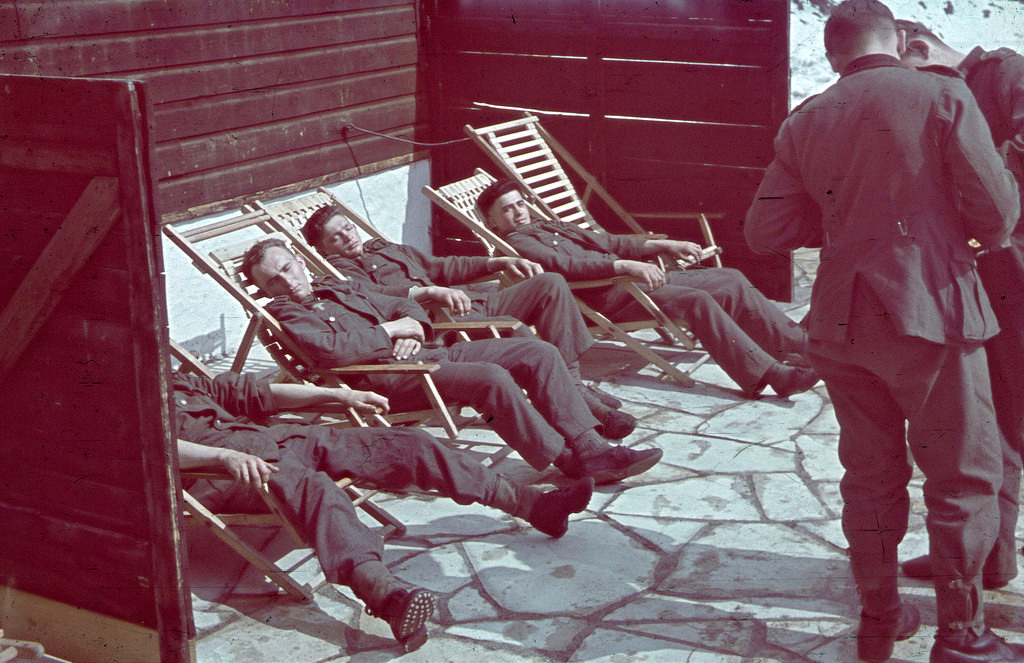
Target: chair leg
x=278, y=576
x=439, y=406
x=653, y=357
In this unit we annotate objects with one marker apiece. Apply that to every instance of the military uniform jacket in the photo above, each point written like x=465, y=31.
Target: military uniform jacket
x=892, y=171
x=395, y=268
x=997, y=80
x=211, y=412
x=340, y=324
x=573, y=252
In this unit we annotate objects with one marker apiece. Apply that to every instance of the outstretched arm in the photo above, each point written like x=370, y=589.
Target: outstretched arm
x=290, y=396
x=250, y=470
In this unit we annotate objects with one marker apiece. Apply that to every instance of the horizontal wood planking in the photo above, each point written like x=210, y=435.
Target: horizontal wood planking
x=691, y=41
x=237, y=90
x=61, y=18
x=90, y=567
x=89, y=55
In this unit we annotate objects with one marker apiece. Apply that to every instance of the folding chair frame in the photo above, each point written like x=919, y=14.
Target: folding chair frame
x=459, y=200
x=196, y=514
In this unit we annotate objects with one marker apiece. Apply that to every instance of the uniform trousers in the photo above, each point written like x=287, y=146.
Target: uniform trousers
x=1002, y=273
x=890, y=390
x=742, y=330
x=546, y=303
x=490, y=375
x=312, y=458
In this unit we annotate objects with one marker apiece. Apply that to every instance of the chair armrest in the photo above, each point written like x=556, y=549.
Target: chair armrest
x=385, y=369
x=473, y=325
x=597, y=283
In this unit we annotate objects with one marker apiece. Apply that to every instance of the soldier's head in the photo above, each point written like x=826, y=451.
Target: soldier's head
x=330, y=232
x=924, y=48
x=503, y=206
x=859, y=27
x=275, y=270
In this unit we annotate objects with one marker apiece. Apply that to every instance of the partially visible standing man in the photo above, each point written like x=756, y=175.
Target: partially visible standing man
x=996, y=78
x=892, y=171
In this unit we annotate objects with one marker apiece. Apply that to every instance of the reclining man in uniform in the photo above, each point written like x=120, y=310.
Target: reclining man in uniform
x=746, y=334
x=339, y=324
x=300, y=463
x=542, y=300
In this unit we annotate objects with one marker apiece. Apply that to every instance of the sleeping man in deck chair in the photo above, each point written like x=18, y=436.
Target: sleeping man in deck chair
x=341, y=323
x=543, y=300
x=746, y=334
x=300, y=463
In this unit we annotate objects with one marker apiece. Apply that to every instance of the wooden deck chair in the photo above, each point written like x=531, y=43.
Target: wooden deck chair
x=220, y=524
x=459, y=200
x=526, y=152
x=221, y=266
x=288, y=217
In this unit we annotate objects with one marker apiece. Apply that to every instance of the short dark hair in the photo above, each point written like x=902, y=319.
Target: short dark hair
x=852, y=20
x=313, y=230
x=495, y=190
x=254, y=254
x=917, y=29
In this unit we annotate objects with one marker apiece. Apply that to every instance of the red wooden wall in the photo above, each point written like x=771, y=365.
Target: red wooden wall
x=672, y=105
x=248, y=97
x=88, y=480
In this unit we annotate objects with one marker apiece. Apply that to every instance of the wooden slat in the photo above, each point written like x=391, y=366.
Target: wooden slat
x=88, y=55
x=183, y=119
x=265, y=174
x=45, y=18
x=294, y=135
x=84, y=228
x=268, y=71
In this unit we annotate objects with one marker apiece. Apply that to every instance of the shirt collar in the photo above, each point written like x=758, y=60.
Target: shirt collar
x=872, y=61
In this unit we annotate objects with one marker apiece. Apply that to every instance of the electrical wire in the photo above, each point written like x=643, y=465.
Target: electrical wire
x=349, y=125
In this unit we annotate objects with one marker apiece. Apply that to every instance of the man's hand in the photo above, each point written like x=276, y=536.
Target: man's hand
x=407, y=335
x=518, y=267
x=361, y=401
x=247, y=469
x=405, y=348
x=650, y=275
x=688, y=252
x=404, y=327
x=456, y=300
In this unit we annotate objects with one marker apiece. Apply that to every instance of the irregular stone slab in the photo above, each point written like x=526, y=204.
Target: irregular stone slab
x=545, y=634
x=441, y=649
x=468, y=605
x=785, y=497
x=705, y=454
x=592, y=566
x=725, y=635
x=779, y=608
x=804, y=636
x=665, y=533
x=608, y=646
x=758, y=561
x=701, y=400
x=209, y=616
x=700, y=498
x=819, y=456
x=767, y=420
x=829, y=530
x=661, y=419
x=825, y=423
x=252, y=640
x=440, y=569
x=439, y=518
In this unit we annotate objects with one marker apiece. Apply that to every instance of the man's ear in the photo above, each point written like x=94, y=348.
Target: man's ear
x=917, y=48
x=833, y=61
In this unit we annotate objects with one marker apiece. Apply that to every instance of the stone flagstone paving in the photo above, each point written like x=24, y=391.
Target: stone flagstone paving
x=729, y=550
